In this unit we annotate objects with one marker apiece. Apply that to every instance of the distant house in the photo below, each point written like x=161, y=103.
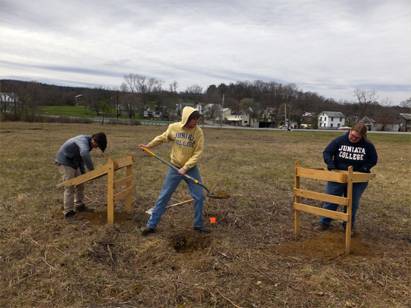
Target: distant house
x=180, y=106
x=307, y=120
x=200, y=107
x=267, y=118
x=148, y=113
x=238, y=119
x=405, y=125
x=388, y=121
x=7, y=101
x=371, y=124
x=78, y=98
x=226, y=112
x=388, y=127
x=331, y=120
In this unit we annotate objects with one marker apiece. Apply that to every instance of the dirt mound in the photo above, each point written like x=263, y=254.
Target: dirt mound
x=325, y=245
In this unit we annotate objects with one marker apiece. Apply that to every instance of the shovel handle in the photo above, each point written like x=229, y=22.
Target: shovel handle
x=147, y=150
x=151, y=153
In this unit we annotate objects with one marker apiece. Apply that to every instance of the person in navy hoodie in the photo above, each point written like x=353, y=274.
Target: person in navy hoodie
x=351, y=149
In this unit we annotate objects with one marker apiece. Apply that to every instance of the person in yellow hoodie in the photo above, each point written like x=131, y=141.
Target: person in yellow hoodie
x=188, y=144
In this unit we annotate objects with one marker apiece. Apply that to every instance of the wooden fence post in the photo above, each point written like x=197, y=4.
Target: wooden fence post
x=129, y=199
x=296, y=199
x=110, y=192
x=109, y=169
x=348, y=225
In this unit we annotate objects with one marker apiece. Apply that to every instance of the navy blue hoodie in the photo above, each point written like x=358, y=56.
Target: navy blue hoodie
x=341, y=153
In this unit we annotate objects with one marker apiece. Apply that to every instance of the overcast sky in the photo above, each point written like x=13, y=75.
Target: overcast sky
x=326, y=46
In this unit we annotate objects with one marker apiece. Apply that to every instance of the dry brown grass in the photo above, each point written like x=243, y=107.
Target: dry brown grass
x=250, y=259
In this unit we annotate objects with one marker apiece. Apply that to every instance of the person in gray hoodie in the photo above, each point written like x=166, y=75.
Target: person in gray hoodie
x=73, y=158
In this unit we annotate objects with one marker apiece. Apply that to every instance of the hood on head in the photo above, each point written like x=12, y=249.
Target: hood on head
x=187, y=111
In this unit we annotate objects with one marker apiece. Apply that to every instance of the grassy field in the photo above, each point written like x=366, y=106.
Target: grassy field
x=249, y=260
x=67, y=111
x=71, y=111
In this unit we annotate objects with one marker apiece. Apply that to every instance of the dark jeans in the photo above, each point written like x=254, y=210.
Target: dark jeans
x=339, y=189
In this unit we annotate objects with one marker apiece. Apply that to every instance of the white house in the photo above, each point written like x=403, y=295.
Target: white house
x=331, y=120
x=200, y=108
x=7, y=97
x=405, y=125
x=369, y=123
x=238, y=119
x=7, y=100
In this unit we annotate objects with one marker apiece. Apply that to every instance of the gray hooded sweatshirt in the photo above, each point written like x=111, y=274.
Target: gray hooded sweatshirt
x=75, y=153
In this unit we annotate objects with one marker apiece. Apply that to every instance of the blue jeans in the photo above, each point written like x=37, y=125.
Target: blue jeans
x=339, y=189
x=173, y=178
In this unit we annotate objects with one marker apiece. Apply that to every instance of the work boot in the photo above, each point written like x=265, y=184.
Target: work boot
x=83, y=208
x=69, y=215
x=321, y=227
x=201, y=230
x=146, y=231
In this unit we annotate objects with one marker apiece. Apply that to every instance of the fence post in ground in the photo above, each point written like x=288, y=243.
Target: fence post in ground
x=129, y=199
x=339, y=176
x=109, y=169
x=110, y=192
x=348, y=225
x=296, y=199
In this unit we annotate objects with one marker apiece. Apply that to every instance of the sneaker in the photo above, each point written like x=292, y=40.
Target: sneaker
x=70, y=214
x=201, y=230
x=321, y=227
x=146, y=231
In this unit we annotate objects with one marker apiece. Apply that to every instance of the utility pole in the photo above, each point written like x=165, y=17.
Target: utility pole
x=222, y=111
x=285, y=116
x=286, y=122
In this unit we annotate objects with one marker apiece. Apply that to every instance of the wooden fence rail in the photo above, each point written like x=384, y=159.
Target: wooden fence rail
x=346, y=177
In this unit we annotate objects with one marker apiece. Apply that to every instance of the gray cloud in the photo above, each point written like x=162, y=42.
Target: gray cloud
x=64, y=69
x=330, y=47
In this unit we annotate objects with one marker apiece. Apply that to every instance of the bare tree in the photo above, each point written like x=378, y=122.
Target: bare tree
x=366, y=99
x=194, y=92
x=153, y=85
x=140, y=85
x=213, y=111
x=173, y=86
x=126, y=100
x=365, y=96
x=406, y=103
x=134, y=83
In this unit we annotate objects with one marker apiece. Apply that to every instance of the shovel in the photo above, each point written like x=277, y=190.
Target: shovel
x=218, y=195
x=150, y=210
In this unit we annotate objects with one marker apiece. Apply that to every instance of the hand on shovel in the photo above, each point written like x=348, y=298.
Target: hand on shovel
x=182, y=171
x=142, y=146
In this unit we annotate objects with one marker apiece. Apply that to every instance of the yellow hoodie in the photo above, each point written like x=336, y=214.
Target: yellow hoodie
x=188, y=143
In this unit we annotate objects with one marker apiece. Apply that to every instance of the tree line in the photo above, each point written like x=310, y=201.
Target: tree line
x=138, y=92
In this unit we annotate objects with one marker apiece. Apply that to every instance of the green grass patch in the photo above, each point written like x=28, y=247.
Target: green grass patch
x=67, y=111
